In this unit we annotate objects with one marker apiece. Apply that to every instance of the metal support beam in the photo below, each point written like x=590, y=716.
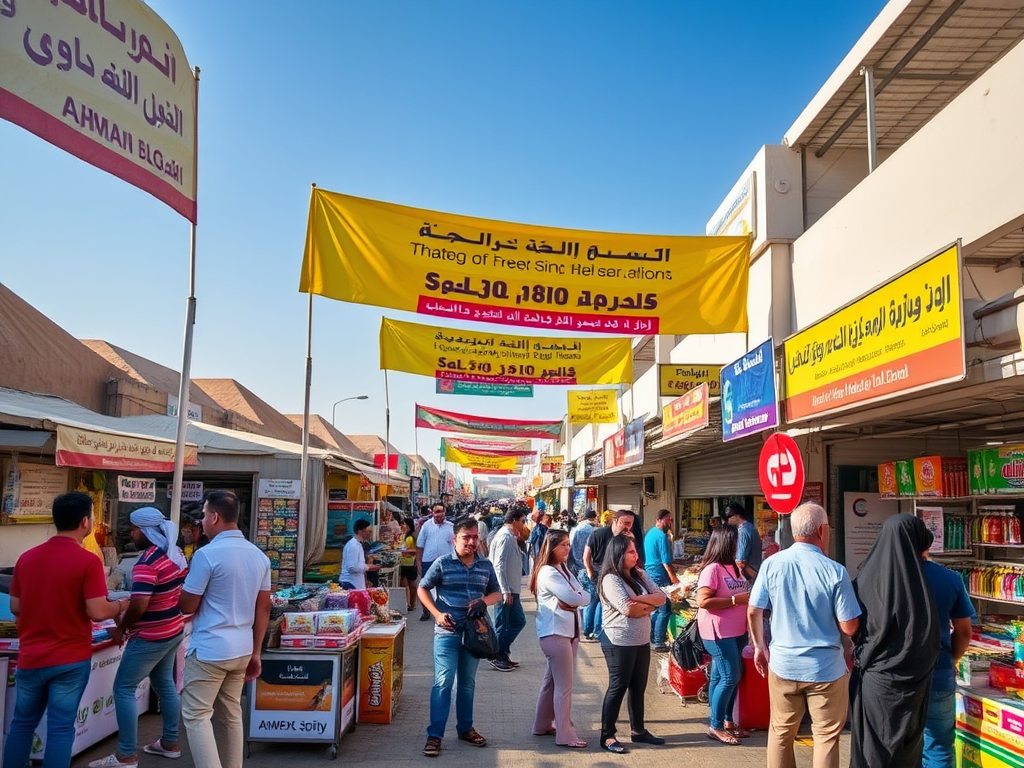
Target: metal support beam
x=869, y=105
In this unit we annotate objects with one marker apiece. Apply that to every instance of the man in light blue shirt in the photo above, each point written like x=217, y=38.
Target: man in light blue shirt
x=748, y=546
x=813, y=606
x=658, y=560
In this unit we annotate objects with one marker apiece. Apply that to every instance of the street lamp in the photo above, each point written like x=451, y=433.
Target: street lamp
x=334, y=410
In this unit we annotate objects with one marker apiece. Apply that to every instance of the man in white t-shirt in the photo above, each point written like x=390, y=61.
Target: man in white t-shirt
x=228, y=590
x=436, y=539
x=353, y=558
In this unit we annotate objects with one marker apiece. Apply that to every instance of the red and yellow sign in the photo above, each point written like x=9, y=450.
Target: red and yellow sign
x=903, y=336
x=566, y=280
x=99, y=450
x=674, y=380
x=685, y=414
x=594, y=406
x=551, y=464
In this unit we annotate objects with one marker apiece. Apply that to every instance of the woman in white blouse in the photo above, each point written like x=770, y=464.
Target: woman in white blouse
x=559, y=598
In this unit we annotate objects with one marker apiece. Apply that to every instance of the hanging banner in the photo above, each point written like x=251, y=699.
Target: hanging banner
x=625, y=448
x=492, y=471
x=448, y=353
x=447, y=421
x=482, y=389
x=480, y=460
x=686, y=414
x=551, y=465
x=749, y=397
x=675, y=380
x=108, y=82
x=87, y=449
x=594, y=406
x=452, y=266
x=451, y=448
x=904, y=336
x=492, y=444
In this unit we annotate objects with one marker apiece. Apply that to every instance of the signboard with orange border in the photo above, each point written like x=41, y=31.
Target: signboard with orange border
x=685, y=414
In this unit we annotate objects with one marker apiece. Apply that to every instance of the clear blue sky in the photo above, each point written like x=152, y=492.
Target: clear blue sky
x=618, y=116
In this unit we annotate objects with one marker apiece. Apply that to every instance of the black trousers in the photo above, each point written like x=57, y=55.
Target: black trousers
x=628, y=667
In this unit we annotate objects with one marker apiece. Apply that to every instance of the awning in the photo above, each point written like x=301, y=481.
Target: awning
x=91, y=449
x=24, y=438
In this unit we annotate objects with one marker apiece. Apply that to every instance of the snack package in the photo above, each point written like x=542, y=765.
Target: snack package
x=379, y=596
x=299, y=624
x=336, y=600
x=359, y=599
x=332, y=623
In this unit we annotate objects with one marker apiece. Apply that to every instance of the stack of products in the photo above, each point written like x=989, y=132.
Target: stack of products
x=996, y=581
x=957, y=533
x=996, y=525
x=323, y=629
x=932, y=476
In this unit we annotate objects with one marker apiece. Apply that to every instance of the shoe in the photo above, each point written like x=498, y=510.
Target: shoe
x=473, y=738
x=432, y=747
x=424, y=616
x=736, y=731
x=646, y=738
x=110, y=761
x=660, y=648
x=615, y=747
x=589, y=638
x=515, y=664
x=157, y=748
x=501, y=665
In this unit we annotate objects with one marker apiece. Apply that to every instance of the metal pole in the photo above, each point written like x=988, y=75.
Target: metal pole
x=869, y=88
x=300, y=544
x=387, y=437
x=190, y=320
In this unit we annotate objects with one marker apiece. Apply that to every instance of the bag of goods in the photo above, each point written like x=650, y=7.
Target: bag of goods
x=336, y=600
x=379, y=596
x=299, y=624
x=359, y=599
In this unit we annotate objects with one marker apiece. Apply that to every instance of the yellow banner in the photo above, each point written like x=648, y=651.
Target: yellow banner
x=498, y=358
x=594, y=406
x=676, y=380
x=902, y=336
x=480, y=461
x=459, y=267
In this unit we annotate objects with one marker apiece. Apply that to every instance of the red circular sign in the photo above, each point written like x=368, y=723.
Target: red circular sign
x=781, y=471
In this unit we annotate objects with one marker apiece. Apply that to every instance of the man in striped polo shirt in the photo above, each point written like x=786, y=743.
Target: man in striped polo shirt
x=153, y=624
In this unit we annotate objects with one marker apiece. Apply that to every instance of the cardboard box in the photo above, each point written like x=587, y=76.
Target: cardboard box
x=887, y=485
x=381, y=667
x=977, y=480
x=905, y=484
x=940, y=476
x=1004, y=469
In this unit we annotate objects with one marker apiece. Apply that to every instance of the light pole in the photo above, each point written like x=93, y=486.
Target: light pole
x=334, y=410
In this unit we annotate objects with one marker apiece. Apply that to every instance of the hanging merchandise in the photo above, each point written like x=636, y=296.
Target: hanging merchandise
x=12, y=488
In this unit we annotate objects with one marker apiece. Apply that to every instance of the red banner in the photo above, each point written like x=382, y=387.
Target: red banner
x=447, y=421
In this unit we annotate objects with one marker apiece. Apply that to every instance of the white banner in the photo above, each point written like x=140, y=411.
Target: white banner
x=136, y=489
x=280, y=489
x=191, y=490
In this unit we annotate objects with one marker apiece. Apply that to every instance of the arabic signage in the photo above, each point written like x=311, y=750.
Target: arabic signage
x=138, y=490
x=901, y=337
x=482, y=389
x=551, y=464
x=593, y=406
x=29, y=498
x=108, y=82
x=448, y=421
x=674, y=380
x=749, y=397
x=447, y=353
x=625, y=448
x=465, y=268
x=686, y=414
x=98, y=450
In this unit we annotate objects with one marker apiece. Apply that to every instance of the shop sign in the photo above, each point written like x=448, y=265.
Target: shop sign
x=415, y=484
x=737, y=215
x=195, y=412
x=903, y=336
x=581, y=467
x=295, y=698
x=482, y=389
x=780, y=470
x=675, y=380
x=88, y=449
x=191, y=490
x=30, y=491
x=279, y=489
x=597, y=467
x=593, y=406
x=749, y=398
x=551, y=464
x=625, y=448
x=686, y=414
x=136, y=489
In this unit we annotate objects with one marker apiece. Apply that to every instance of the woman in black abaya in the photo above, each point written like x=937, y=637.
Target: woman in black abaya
x=895, y=649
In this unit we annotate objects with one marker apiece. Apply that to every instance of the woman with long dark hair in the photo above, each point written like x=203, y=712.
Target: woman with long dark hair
x=722, y=597
x=628, y=598
x=559, y=598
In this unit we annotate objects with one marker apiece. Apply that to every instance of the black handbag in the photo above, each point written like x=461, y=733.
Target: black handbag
x=479, y=638
x=688, y=647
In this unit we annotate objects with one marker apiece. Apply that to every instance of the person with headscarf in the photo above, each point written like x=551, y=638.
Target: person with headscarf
x=153, y=624
x=895, y=649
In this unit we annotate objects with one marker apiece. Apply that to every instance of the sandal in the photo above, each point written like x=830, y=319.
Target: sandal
x=574, y=745
x=473, y=738
x=433, y=747
x=544, y=733
x=614, y=747
x=723, y=736
x=736, y=731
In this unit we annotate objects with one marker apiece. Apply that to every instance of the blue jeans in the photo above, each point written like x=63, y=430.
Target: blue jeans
x=726, y=668
x=57, y=691
x=452, y=666
x=509, y=621
x=939, y=730
x=592, y=612
x=141, y=659
x=661, y=615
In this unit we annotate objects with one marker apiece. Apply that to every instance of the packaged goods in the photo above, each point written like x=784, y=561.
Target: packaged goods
x=336, y=600
x=887, y=485
x=1003, y=469
x=299, y=624
x=359, y=599
x=905, y=484
x=337, y=622
x=940, y=476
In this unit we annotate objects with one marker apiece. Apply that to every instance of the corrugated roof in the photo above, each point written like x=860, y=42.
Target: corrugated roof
x=371, y=445
x=232, y=396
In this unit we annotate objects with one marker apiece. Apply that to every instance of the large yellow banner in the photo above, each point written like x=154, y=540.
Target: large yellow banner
x=594, y=406
x=481, y=461
x=452, y=266
x=450, y=353
x=905, y=335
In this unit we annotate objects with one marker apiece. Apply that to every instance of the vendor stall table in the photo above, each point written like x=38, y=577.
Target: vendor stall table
x=303, y=696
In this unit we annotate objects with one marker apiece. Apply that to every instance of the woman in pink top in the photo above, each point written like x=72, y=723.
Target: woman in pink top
x=722, y=597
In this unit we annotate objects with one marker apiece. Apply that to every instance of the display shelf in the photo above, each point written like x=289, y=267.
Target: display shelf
x=952, y=553
x=997, y=599
x=998, y=546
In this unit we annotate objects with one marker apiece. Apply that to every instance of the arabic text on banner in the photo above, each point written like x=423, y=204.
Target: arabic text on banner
x=450, y=448
x=108, y=82
x=486, y=444
x=593, y=406
x=449, y=421
x=675, y=380
x=448, y=353
x=452, y=266
x=481, y=389
x=100, y=450
x=481, y=460
x=749, y=396
x=905, y=335
x=685, y=414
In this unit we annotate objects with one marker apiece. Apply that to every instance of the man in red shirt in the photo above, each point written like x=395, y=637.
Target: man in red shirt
x=154, y=623
x=57, y=592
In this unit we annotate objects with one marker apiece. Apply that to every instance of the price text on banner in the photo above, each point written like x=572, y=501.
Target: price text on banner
x=108, y=82
x=593, y=406
x=465, y=268
x=903, y=336
x=450, y=353
x=674, y=380
x=685, y=414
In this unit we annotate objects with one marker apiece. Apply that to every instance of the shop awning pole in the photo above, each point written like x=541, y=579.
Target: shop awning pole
x=304, y=495
x=185, y=379
x=387, y=438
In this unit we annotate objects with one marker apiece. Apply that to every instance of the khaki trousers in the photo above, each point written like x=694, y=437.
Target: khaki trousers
x=211, y=709
x=828, y=704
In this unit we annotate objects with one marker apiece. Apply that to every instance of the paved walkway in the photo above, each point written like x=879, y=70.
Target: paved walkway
x=504, y=714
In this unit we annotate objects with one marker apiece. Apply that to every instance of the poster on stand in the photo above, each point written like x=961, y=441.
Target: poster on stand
x=277, y=527
x=864, y=514
x=295, y=698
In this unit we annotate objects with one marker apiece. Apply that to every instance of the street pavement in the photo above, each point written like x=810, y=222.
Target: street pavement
x=504, y=715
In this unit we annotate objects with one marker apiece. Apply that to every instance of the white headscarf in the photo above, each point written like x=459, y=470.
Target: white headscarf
x=161, y=532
